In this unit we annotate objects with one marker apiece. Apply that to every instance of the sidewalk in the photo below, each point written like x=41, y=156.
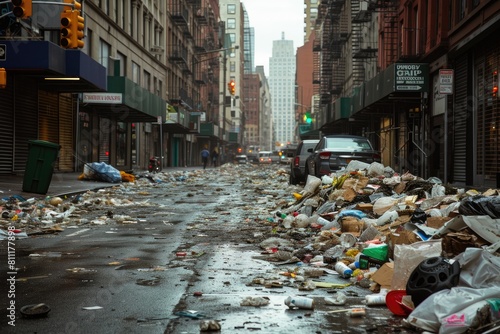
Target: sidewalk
x=61, y=184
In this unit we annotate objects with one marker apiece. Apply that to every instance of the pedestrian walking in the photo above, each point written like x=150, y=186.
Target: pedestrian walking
x=205, y=154
x=215, y=156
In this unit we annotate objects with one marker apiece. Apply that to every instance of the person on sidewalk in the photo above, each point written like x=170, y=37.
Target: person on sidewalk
x=205, y=154
x=215, y=156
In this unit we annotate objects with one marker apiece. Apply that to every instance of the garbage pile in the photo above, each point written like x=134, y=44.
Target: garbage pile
x=429, y=251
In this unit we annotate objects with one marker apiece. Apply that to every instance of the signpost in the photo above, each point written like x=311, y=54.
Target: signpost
x=445, y=81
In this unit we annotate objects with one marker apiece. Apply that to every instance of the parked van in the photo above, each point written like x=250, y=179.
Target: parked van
x=265, y=157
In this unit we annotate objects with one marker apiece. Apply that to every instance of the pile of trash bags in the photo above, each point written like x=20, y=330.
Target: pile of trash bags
x=442, y=242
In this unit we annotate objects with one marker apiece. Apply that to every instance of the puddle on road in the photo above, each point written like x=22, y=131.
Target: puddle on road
x=148, y=282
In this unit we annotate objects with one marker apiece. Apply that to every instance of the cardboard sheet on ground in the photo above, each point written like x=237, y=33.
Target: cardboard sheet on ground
x=485, y=226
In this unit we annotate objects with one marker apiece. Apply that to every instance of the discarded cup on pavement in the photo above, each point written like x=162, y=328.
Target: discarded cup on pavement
x=300, y=302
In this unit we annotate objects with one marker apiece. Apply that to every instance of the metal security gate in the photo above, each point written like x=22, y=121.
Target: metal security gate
x=6, y=130
x=67, y=117
x=460, y=119
x=25, y=119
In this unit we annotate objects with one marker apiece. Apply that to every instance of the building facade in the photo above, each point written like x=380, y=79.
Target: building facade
x=146, y=82
x=420, y=80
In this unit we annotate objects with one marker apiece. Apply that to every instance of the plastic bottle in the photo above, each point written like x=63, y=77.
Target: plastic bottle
x=354, y=265
x=343, y=269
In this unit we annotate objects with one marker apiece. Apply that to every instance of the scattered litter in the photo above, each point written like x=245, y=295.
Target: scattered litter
x=209, y=325
x=90, y=308
x=255, y=301
x=190, y=314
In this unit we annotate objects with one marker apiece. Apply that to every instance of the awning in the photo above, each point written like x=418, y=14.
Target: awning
x=57, y=69
x=132, y=103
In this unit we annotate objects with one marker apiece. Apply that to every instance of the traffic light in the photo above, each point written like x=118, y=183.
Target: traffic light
x=3, y=78
x=72, y=5
x=494, y=91
x=72, y=26
x=231, y=86
x=307, y=118
x=22, y=8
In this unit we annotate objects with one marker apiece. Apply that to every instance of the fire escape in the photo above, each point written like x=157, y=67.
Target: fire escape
x=327, y=52
x=388, y=35
x=339, y=38
x=361, y=47
x=179, y=13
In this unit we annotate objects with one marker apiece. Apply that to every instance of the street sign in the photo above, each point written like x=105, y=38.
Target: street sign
x=411, y=77
x=445, y=81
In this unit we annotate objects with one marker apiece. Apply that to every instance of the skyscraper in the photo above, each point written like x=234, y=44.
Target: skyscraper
x=282, y=87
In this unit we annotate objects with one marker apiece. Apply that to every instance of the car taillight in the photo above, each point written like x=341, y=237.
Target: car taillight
x=296, y=161
x=377, y=157
x=324, y=155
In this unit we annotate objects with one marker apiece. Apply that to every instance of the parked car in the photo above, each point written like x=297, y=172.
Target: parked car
x=275, y=158
x=334, y=152
x=265, y=157
x=241, y=159
x=298, y=161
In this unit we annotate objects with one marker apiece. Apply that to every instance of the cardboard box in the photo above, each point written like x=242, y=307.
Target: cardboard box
x=383, y=276
x=436, y=222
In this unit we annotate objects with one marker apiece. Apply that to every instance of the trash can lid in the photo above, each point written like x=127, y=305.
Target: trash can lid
x=44, y=143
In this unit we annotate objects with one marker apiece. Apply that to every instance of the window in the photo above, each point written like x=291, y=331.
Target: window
x=123, y=63
x=232, y=37
x=231, y=23
x=104, y=50
x=232, y=66
x=136, y=74
x=147, y=80
x=231, y=9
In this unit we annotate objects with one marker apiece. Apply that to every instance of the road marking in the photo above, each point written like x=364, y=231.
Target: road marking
x=78, y=232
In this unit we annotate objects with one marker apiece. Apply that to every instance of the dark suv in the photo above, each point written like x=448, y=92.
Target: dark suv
x=298, y=161
x=334, y=152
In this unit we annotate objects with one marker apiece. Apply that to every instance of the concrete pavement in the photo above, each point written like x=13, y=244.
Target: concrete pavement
x=63, y=184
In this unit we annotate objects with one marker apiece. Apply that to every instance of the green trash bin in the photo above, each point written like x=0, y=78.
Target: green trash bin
x=40, y=166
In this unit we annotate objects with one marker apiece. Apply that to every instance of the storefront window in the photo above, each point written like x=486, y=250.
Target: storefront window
x=121, y=144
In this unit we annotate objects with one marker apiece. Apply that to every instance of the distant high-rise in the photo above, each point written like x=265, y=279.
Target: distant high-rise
x=311, y=11
x=282, y=87
x=248, y=44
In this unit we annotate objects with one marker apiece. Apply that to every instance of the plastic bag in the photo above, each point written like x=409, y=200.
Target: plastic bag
x=383, y=204
x=408, y=257
x=102, y=171
x=419, y=216
x=451, y=311
x=480, y=205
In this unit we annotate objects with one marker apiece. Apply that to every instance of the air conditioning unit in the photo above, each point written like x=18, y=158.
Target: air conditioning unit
x=156, y=49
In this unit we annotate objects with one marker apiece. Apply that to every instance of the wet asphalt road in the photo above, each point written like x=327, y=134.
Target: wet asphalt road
x=191, y=252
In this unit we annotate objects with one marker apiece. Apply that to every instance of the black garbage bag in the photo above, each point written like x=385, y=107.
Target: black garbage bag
x=419, y=216
x=480, y=205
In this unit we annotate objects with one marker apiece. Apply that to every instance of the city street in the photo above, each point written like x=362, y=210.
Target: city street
x=184, y=252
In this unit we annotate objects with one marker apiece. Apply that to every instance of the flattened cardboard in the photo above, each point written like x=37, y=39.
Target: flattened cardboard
x=383, y=276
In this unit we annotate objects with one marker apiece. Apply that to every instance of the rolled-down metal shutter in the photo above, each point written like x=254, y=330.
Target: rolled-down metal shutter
x=6, y=129
x=25, y=119
x=459, y=150
x=67, y=116
x=48, y=119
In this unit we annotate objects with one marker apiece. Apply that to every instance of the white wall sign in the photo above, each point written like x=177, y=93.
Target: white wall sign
x=103, y=98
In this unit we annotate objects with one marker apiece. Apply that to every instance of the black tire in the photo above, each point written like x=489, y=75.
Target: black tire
x=293, y=180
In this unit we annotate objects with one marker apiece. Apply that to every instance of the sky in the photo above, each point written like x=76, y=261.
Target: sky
x=270, y=18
